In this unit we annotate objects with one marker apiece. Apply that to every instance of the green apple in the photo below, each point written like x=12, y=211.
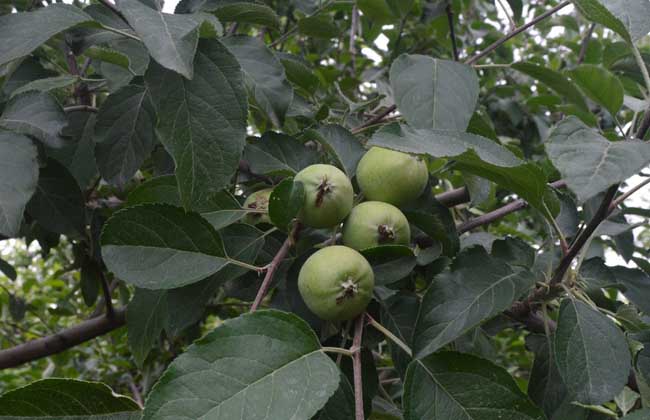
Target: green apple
x=336, y=283
x=392, y=177
x=328, y=195
x=375, y=223
x=258, y=201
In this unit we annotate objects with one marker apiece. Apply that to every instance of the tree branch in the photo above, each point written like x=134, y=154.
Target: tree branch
x=106, y=290
x=374, y=120
x=453, y=197
x=273, y=266
x=356, y=367
x=585, y=43
x=61, y=341
x=75, y=108
x=516, y=32
x=452, y=32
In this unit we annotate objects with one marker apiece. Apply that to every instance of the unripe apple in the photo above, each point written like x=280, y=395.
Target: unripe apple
x=375, y=223
x=259, y=201
x=336, y=283
x=392, y=177
x=328, y=195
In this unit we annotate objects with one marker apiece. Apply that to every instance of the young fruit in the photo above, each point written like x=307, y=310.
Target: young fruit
x=392, y=177
x=375, y=223
x=259, y=200
x=328, y=195
x=336, y=283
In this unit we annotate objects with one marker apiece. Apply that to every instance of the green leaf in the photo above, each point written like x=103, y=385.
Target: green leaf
x=476, y=289
x=156, y=246
x=341, y=144
x=390, y=263
x=299, y=72
x=265, y=76
x=146, y=317
x=642, y=414
x=340, y=406
x=22, y=33
x=36, y=114
x=596, y=275
x=451, y=385
x=242, y=11
x=58, y=204
x=45, y=85
x=63, y=397
x=285, y=203
x=202, y=122
x=473, y=153
x=589, y=162
x=162, y=189
x=600, y=85
x=222, y=209
x=263, y=364
x=554, y=80
x=8, y=270
x=18, y=179
x=90, y=280
x=630, y=19
x=591, y=353
x=399, y=314
x=435, y=220
x=278, y=154
x=124, y=133
x=636, y=284
x=318, y=26
x=433, y=93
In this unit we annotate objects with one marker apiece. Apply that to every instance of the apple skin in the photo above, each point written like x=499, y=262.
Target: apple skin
x=328, y=195
x=259, y=200
x=374, y=223
x=392, y=177
x=336, y=283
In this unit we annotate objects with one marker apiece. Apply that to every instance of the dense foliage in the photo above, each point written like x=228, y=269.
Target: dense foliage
x=178, y=190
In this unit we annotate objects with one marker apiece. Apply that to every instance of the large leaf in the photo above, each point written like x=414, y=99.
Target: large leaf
x=22, y=33
x=589, y=162
x=629, y=18
x=161, y=247
x=18, y=178
x=554, y=80
x=63, y=397
x=591, y=353
x=600, y=85
x=344, y=146
x=124, y=133
x=243, y=11
x=433, y=93
x=265, y=76
x=202, y=122
x=267, y=364
x=459, y=386
x=278, y=154
x=477, y=288
x=36, y=114
x=474, y=153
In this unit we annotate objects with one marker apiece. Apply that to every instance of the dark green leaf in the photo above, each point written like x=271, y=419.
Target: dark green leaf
x=91, y=278
x=318, y=26
x=514, y=251
x=600, y=85
x=642, y=414
x=46, y=85
x=238, y=369
x=399, y=314
x=202, y=122
x=243, y=11
x=435, y=220
x=17, y=307
x=596, y=275
x=278, y=154
x=390, y=263
x=285, y=202
x=636, y=284
x=591, y=353
x=8, y=270
x=36, y=114
x=299, y=72
x=146, y=318
x=476, y=289
x=340, y=143
x=554, y=80
x=18, y=178
x=459, y=386
x=630, y=19
x=340, y=406
x=433, y=93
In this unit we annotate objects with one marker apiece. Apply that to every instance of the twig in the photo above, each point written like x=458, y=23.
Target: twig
x=106, y=290
x=137, y=396
x=293, y=30
x=356, y=367
x=513, y=25
x=374, y=120
x=516, y=32
x=585, y=43
x=120, y=32
x=75, y=108
x=642, y=66
x=392, y=337
x=627, y=194
x=354, y=29
x=273, y=266
x=452, y=33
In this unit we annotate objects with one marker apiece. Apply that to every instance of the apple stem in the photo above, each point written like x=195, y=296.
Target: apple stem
x=356, y=367
x=324, y=188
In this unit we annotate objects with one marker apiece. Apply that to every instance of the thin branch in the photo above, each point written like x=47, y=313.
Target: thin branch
x=338, y=350
x=453, y=197
x=356, y=367
x=642, y=66
x=513, y=25
x=293, y=30
x=120, y=32
x=627, y=194
x=585, y=43
x=273, y=266
x=645, y=125
x=63, y=340
x=452, y=32
x=374, y=120
x=392, y=337
x=354, y=29
x=75, y=108
x=108, y=300
x=516, y=32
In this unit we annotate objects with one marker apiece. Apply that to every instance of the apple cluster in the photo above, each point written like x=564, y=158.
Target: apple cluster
x=336, y=282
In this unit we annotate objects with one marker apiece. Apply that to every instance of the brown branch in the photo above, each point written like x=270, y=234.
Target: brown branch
x=76, y=108
x=106, y=290
x=273, y=266
x=354, y=28
x=356, y=367
x=516, y=32
x=452, y=32
x=61, y=341
x=585, y=43
x=374, y=120
x=453, y=197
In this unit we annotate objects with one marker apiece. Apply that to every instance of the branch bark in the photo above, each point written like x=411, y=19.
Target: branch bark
x=452, y=32
x=356, y=367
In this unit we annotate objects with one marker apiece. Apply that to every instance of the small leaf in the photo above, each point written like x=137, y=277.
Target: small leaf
x=124, y=133
x=18, y=179
x=589, y=162
x=155, y=246
x=45, y=85
x=246, y=362
x=8, y=269
x=433, y=93
x=340, y=143
x=451, y=385
x=91, y=279
x=591, y=353
x=63, y=397
x=476, y=289
x=600, y=85
x=555, y=80
x=278, y=154
x=36, y=114
x=285, y=202
x=390, y=263
x=636, y=284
